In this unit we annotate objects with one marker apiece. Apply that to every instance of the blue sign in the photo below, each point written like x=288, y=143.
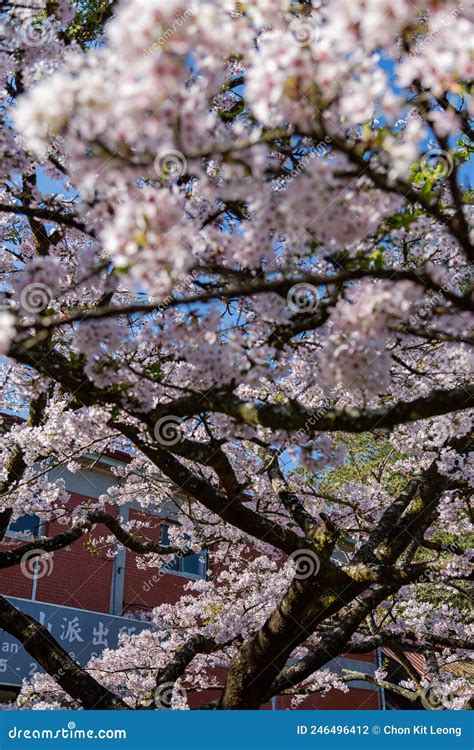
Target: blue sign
x=83, y=634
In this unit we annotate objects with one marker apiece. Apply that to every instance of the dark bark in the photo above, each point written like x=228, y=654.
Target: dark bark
x=17, y=465
x=41, y=645
x=52, y=544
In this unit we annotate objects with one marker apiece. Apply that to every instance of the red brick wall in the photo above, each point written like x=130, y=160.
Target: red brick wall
x=12, y=580
x=81, y=579
x=73, y=578
x=145, y=589
x=78, y=578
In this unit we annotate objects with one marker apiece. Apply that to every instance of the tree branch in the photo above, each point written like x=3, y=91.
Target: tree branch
x=40, y=644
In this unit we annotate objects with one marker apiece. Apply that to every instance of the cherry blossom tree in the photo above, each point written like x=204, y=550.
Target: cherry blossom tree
x=236, y=244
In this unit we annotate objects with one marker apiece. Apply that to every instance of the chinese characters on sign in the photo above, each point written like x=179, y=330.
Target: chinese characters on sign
x=82, y=633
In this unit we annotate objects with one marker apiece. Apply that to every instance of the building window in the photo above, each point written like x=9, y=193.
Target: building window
x=25, y=525
x=193, y=566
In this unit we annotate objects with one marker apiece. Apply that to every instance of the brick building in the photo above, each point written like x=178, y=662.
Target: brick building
x=86, y=598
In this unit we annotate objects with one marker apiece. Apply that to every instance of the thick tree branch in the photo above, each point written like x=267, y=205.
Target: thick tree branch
x=332, y=644
x=167, y=676
x=290, y=501
x=232, y=512
x=17, y=465
x=41, y=645
x=54, y=217
x=289, y=418
x=52, y=544
x=350, y=676
x=264, y=286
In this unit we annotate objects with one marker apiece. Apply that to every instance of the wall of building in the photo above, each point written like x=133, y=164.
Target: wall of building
x=80, y=576
x=89, y=579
